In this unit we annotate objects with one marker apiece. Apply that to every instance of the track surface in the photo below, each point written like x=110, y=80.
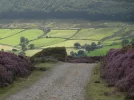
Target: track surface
x=66, y=81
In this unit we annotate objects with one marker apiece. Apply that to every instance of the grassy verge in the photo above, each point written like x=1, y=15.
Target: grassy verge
x=97, y=89
x=22, y=83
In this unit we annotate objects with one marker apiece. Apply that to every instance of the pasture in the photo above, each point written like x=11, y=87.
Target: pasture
x=64, y=33
x=15, y=39
x=61, y=33
x=103, y=51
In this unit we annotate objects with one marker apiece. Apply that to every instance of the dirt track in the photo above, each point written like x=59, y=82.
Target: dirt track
x=63, y=82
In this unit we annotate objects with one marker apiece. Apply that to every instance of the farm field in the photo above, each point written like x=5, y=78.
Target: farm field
x=43, y=42
x=64, y=33
x=7, y=48
x=95, y=34
x=61, y=33
x=8, y=32
x=70, y=43
x=32, y=52
x=102, y=51
x=14, y=40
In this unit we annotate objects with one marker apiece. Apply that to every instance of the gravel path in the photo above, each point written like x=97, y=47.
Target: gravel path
x=66, y=81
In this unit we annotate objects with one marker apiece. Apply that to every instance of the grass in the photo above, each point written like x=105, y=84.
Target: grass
x=6, y=48
x=96, y=34
x=96, y=90
x=46, y=41
x=110, y=41
x=103, y=32
x=72, y=49
x=22, y=83
x=47, y=66
x=62, y=28
x=102, y=51
x=8, y=32
x=62, y=33
x=32, y=52
x=70, y=43
x=30, y=34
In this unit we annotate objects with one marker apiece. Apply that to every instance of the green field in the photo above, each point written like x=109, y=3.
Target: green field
x=65, y=33
x=95, y=34
x=70, y=43
x=8, y=32
x=61, y=33
x=32, y=52
x=46, y=41
x=102, y=51
x=14, y=40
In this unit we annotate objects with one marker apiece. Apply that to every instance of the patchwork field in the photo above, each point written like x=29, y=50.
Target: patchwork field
x=95, y=34
x=8, y=32
x=70, y=43
x=64, y=33
x=15, y=39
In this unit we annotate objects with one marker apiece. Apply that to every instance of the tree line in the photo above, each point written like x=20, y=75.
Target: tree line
x=88, y=9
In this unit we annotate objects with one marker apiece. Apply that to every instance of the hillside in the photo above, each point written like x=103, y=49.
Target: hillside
x=117, y=70
x=88, y=9
x=64, y=33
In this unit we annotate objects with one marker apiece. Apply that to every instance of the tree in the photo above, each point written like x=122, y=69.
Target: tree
x=31, y=46
x=23, y=47
x=2, y=50
x=77, y=45
x=132, y=41
x=22, y=53
x=22, y=40
x=125, y=42
x=84, y=46
x=99, y=43
x=81, y=53
x=93, y=46
x=88, y=48
x=113, y=10
x=47, y=36
x=47, y=30
x=23, y=43
x=26, y=41
x=14, y=50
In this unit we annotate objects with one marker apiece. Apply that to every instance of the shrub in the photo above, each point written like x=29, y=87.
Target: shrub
x=118, y=69
x=77, y=45
x=55, y=52
x=81, y=53
x=13, y=66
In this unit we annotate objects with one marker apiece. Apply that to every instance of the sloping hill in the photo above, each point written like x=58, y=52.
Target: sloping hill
x=83, y=32
x=89, y=9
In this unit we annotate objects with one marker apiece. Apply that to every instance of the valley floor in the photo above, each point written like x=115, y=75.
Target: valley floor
x=63, y=82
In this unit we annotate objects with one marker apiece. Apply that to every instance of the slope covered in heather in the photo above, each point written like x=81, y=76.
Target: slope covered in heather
x=118, y=67
x=12, y=67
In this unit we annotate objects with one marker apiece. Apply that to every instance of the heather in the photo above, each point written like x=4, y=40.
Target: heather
x=12, y=67
x=58, y=53
x=84, y=59
x=118, y=69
